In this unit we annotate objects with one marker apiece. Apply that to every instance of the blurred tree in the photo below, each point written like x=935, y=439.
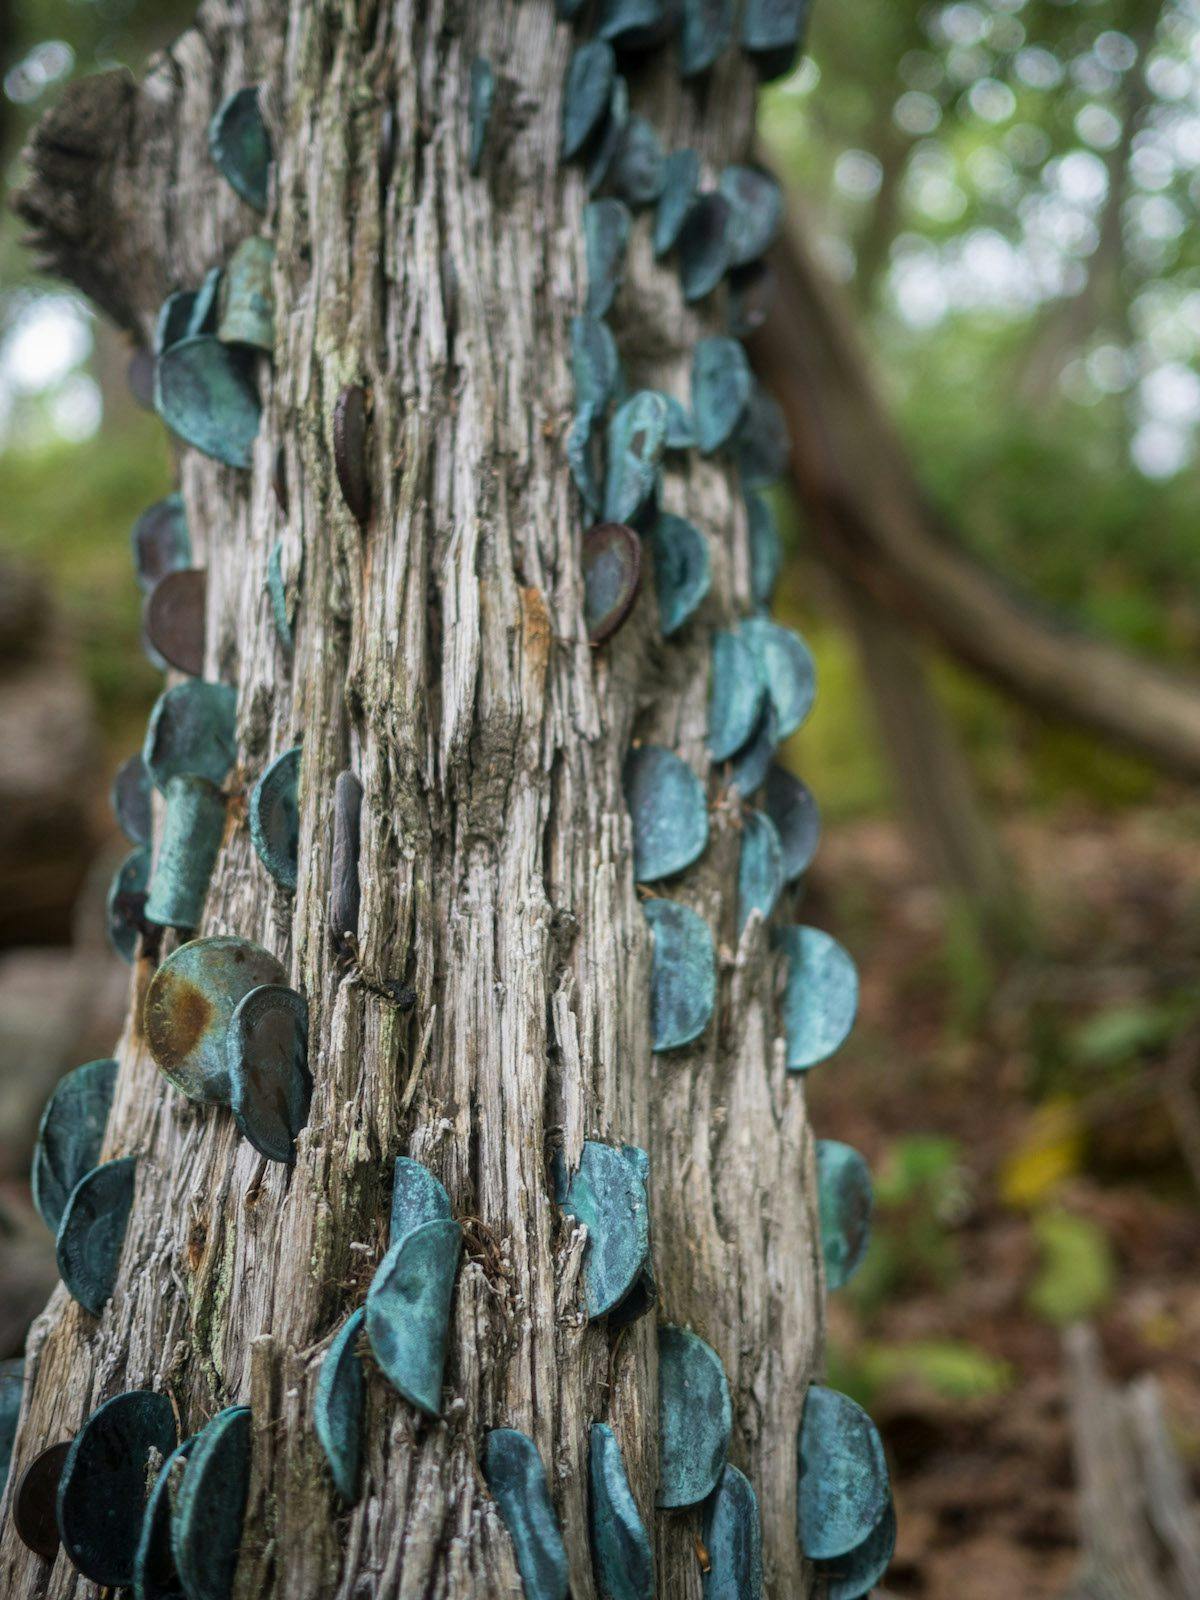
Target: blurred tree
x=78, y=460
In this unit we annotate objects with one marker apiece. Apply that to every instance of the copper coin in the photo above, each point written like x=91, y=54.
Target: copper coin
x=350, y=451
x=279, y=479
x=344, y=894
x=33, y=1507
x=612, y=575
x=174, y=619
x=160, y=541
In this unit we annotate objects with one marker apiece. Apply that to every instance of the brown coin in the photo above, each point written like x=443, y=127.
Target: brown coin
x=350, y=451
x=33, y=1508
x=612, y=575
x=174, y=619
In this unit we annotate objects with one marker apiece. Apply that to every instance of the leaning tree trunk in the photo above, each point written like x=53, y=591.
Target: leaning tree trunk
x=440, y=653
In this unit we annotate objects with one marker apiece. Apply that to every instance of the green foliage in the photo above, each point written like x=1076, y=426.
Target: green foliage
x=68, y=511
x=1055, y=504
x=947, y=1369
x=923, y=1167
x=1116, y=1041
x=1122, y=1034
x=837, y=752
x=919, y=1198
x=1063, y=762
x=1077, y=1274
x=967, y=966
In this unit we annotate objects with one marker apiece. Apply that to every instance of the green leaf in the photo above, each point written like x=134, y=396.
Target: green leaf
x=921, y=1165
x=1077, y=1273
x=1120, y=1033
x=950, y=1368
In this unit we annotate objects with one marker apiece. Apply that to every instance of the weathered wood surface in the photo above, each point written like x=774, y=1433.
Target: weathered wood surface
x=442, y=654
x=1139, y=1524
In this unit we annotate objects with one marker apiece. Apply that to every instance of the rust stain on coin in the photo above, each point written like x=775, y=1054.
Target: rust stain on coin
x=181, y=1016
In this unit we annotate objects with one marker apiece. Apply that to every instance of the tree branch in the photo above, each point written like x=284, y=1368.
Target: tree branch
x=70, y=154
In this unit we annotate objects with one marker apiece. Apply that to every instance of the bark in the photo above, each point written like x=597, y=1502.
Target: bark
x=874, y=523
x=442, y=654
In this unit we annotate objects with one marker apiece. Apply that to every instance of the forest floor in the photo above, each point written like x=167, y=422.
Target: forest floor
x=1028, y=1130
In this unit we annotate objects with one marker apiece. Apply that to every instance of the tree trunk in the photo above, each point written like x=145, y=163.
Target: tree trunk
x=934, y=787
x=440, y=653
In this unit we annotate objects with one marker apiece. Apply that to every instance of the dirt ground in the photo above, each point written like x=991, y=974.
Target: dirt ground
x=1063, y=1082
